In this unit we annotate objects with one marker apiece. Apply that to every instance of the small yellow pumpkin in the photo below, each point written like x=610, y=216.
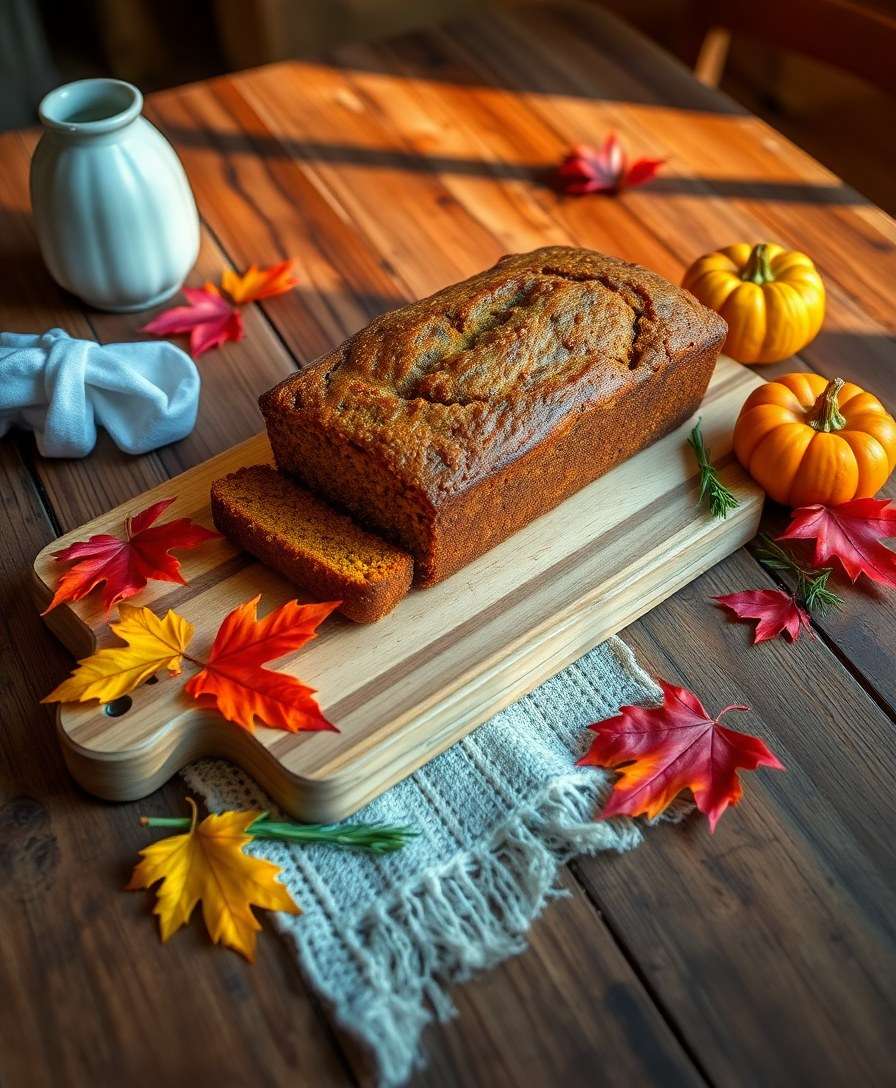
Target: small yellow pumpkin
x=808, y=440
x=771, y=297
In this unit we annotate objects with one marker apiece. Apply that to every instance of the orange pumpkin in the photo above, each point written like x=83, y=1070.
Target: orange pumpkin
x=771, y=297
x=808, y=440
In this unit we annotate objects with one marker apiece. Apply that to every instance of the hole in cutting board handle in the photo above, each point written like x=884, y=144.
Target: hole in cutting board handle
x=120, y=706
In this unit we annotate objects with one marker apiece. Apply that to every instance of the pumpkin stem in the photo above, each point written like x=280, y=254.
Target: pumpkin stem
x=757, y=269
x=826, y=414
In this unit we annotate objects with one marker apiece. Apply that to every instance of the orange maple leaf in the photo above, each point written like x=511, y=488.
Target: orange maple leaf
x=257, y=283
x=660, y=751
x=208, y=865
x=234, y=682
x=127, y=565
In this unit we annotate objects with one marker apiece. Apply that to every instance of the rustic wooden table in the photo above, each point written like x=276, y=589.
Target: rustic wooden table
x=762, y=955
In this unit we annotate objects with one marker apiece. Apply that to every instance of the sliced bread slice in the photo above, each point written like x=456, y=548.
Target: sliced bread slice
x=322, y=551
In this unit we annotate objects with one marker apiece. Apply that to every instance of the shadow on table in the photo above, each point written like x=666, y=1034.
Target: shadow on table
x=39, y=303
x=376, y=158
x=28, y=289
x=781, y=192
x=868, y=359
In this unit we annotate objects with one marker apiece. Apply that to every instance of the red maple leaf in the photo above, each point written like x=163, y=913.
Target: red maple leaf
x=127, y=565
x=209, y=319
x=660, y=751
x=587, y=169
x=777, y=612
x=234, y=682
x=850, y=533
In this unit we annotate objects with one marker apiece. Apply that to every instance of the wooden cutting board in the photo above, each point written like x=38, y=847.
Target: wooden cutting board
x=445, y=660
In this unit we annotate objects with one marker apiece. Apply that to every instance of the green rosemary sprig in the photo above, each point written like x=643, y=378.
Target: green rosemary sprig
x=375, y=838
x=713, y=492
x=811, y=585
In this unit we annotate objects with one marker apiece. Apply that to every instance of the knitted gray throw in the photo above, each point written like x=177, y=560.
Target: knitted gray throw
x=384, y=938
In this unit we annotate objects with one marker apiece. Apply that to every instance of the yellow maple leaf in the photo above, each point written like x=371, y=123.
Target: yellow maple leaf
x=207, y=864
x=151, y=644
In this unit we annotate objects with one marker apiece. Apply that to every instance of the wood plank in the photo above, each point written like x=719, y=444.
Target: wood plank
x=634, y=226
x=64, y=848
x=787, y=187
x=567, y=1012
x=407, y=216
x=493, y=123
x=730, y=149
x=461, y=187
x=262, y=209
x=743, y=985
x=91, y=996
x=769, y=944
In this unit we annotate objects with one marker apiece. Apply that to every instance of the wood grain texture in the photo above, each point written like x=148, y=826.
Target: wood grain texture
x=91, y=996
x=443, y=661
x=756, y=956
x=566, y=1012
x=771, y=942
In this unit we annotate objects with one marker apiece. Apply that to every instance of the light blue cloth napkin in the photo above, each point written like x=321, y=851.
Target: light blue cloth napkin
x=144, y=394
x=383, y=939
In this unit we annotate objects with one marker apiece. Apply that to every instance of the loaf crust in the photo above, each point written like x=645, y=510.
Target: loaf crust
x=317, y=548
x=451, y=423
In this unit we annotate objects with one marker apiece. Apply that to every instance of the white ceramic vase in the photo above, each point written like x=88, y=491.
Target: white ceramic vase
x=114, y=213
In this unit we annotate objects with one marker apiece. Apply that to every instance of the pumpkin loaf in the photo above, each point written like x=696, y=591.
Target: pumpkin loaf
x=451, y=423
x=322, y=551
